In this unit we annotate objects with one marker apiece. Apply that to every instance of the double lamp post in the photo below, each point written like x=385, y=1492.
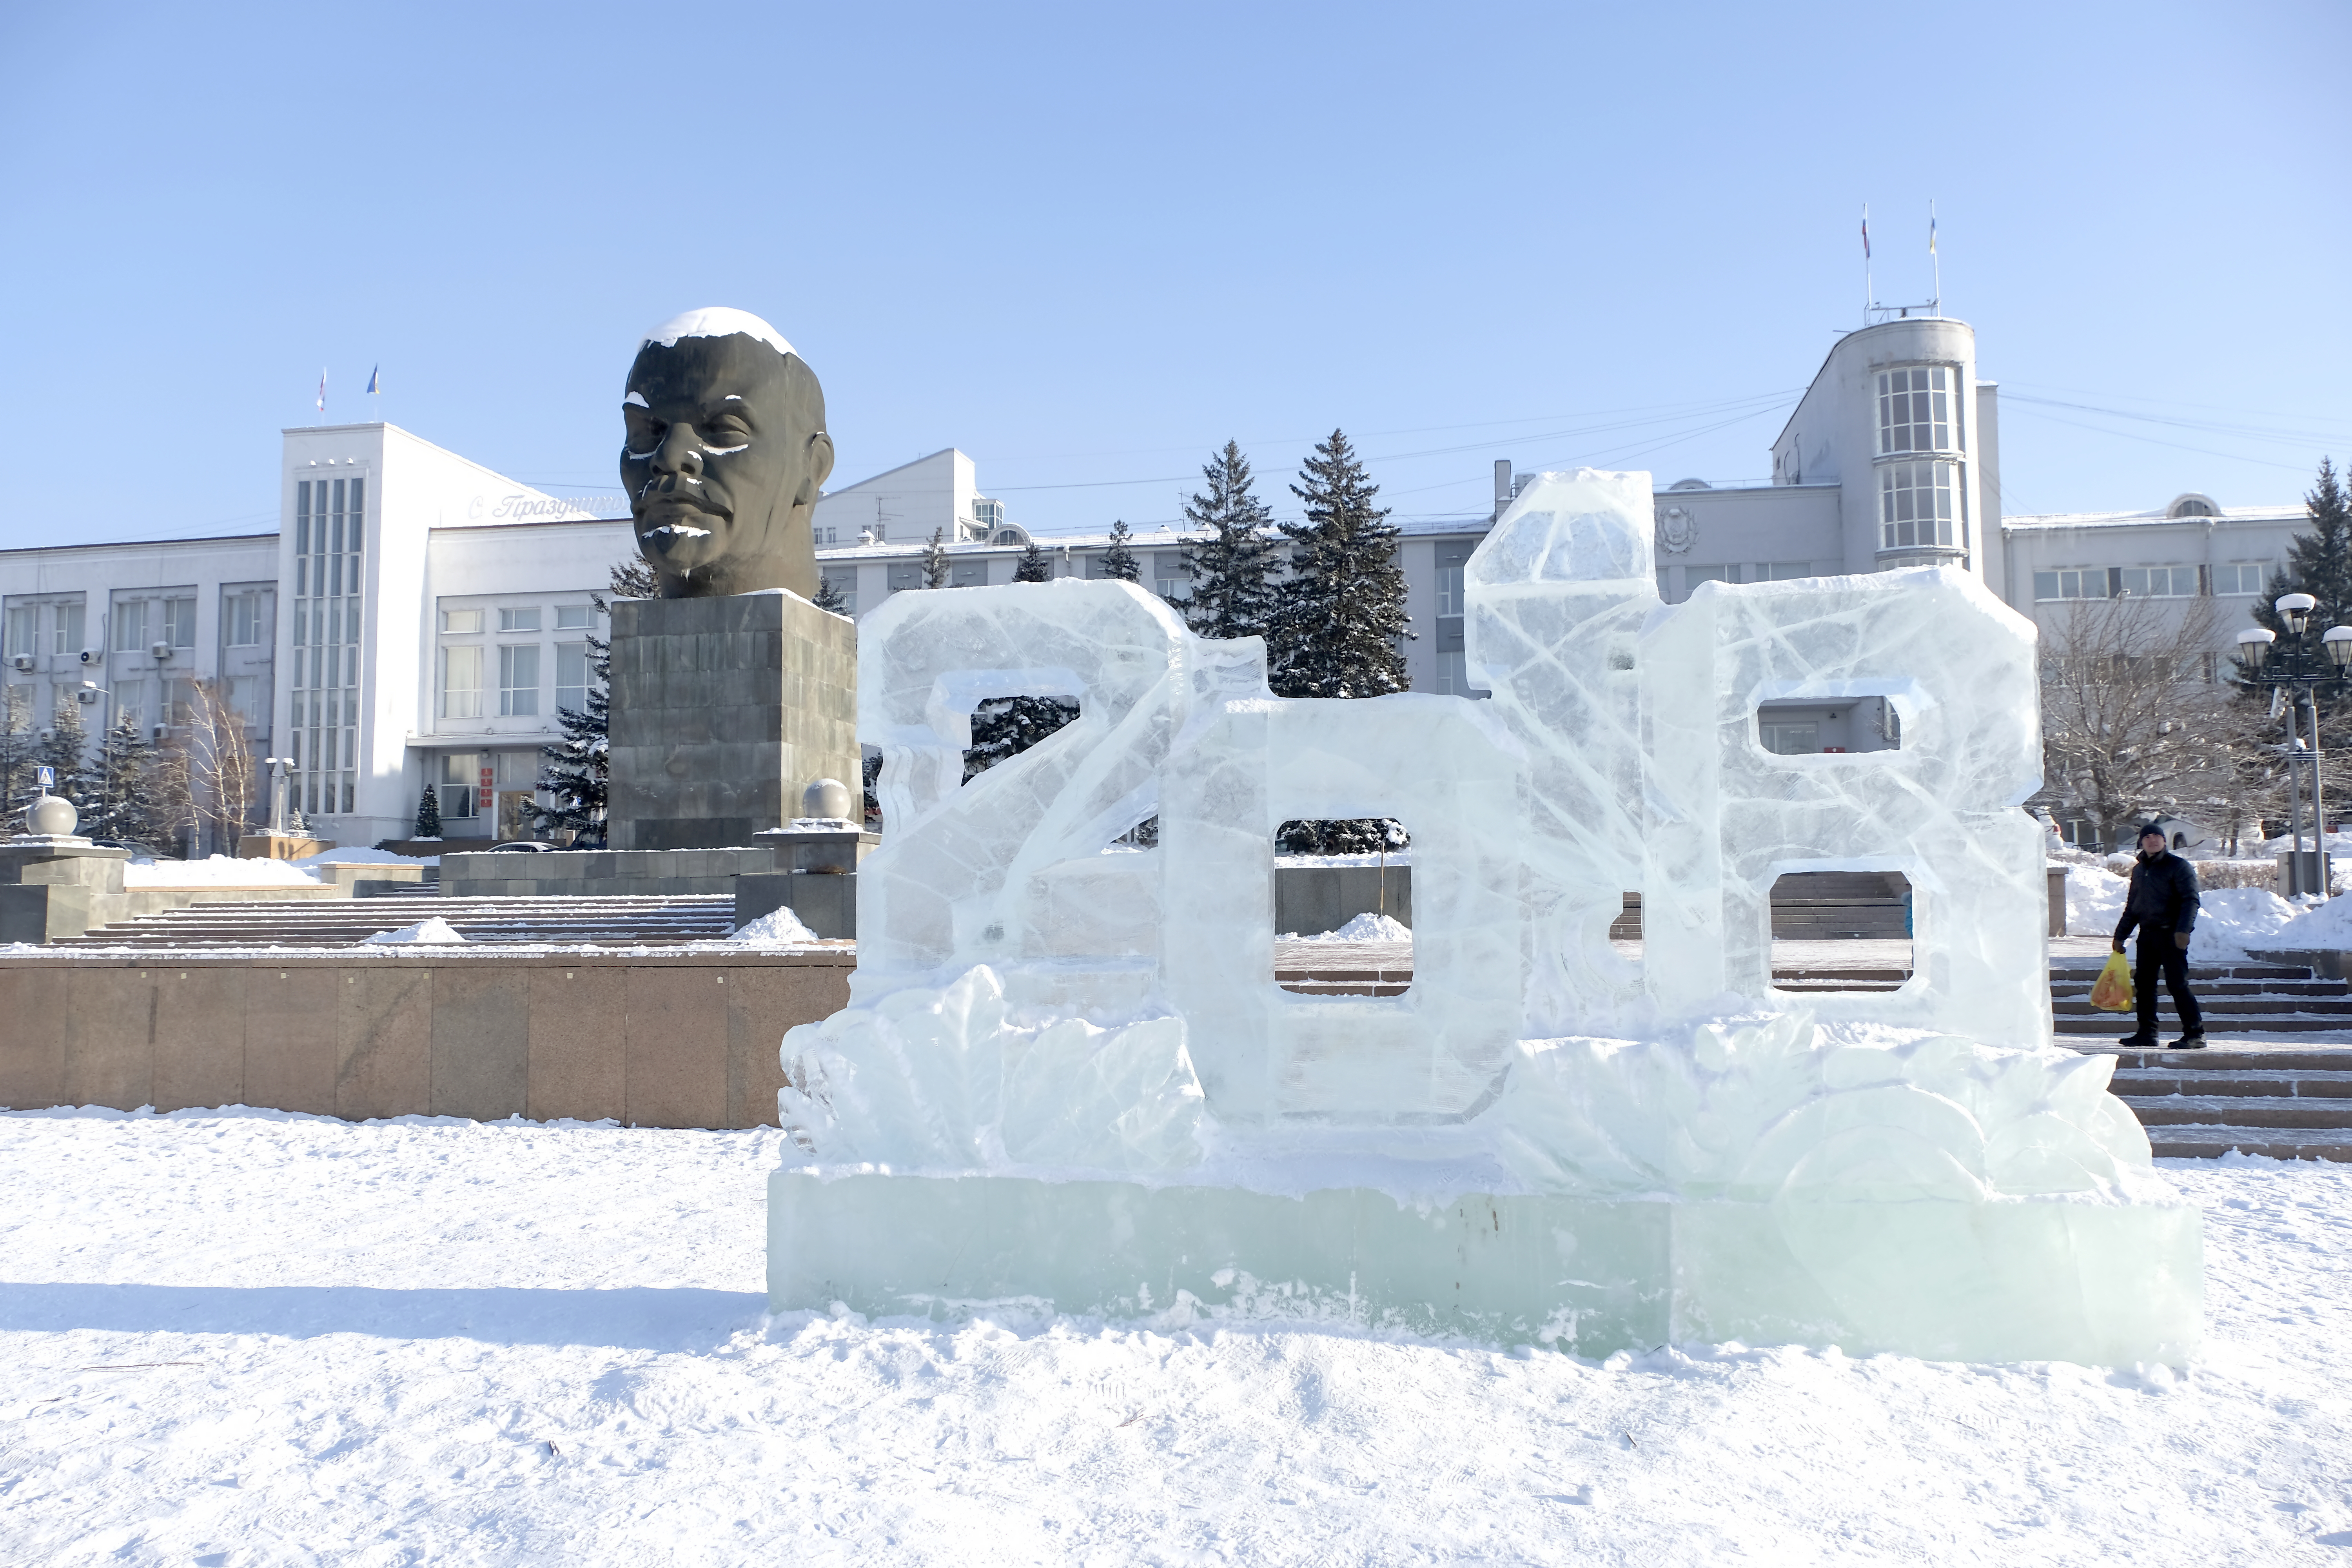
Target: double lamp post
x=2294, y=669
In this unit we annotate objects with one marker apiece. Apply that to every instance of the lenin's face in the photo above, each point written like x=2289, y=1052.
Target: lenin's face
x=724, y=458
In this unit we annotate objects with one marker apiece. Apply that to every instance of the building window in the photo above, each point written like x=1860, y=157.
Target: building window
x=571, y=676
x=245, y=695
x=1916, y=505
x=457, y=781
x=130, y=626
x=2241, y=578
x=1915, y=409
x=242, y=619
x=24, y=630
x=519, y=679
x=2073, y=583
x=461, y=622
x=131, y=700
x=461, y=683
x=180, y=622
x=844, y=584
x=180, y=701
x=1167, y=578
x=330, y=530
x=522, y=619
x=66, y=628
x=2158, y=582
x=1791, y=738
x=1784, y=570
x=571, y=617
x=905, y=577
x=1449, y=591
x=1694, y=576
x=968, y=574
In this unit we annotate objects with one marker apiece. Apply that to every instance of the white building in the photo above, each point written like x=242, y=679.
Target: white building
x=417, y=618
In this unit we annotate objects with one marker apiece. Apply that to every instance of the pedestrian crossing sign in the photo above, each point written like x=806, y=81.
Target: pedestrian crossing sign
x=47, y=778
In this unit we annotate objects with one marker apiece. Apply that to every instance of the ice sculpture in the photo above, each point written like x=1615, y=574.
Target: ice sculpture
x=1067, y=1075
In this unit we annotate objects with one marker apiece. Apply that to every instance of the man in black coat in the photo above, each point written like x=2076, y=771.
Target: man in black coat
x=2162, y=904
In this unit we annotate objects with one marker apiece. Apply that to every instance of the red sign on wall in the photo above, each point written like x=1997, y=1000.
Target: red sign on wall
x=488, y=784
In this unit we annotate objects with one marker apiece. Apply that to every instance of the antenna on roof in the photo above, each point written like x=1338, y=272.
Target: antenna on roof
x=1935, y=260
x=1869, y=291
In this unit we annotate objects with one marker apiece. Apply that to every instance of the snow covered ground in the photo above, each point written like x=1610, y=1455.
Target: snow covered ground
x=240, y=1337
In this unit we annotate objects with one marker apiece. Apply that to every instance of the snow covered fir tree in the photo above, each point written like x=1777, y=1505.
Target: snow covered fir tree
x=428, y=813
x=119, y=806
x=1340, y=626
x=1033, y=567
x=1232, y=569
x=1119, y=562
x=578, y=768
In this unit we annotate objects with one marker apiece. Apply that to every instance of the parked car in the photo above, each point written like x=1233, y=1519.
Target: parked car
x=523, y=847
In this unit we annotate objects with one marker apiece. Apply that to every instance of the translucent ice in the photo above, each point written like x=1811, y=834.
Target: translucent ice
x=1085, y=1085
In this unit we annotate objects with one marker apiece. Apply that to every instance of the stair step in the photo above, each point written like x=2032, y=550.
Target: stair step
x=2186, y=1142
x=2225, y=1110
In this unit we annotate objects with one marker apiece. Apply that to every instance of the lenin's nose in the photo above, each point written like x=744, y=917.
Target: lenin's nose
x=679, y=453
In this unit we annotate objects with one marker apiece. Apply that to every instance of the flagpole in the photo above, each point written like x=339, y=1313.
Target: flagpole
x=1869, y=290
x=1933, y=257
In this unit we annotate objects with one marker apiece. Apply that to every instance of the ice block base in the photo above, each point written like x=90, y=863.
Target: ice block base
x=2036, y=1279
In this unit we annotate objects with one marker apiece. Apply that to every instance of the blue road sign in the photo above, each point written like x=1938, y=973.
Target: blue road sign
x=47, y=778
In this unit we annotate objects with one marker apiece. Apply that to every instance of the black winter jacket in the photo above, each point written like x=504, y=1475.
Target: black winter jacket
x=2163, y=896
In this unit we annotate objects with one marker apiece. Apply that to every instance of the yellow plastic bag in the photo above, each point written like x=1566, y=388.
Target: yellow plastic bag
x=2113, y=989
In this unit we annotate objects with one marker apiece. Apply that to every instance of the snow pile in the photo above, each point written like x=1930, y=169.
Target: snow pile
x=2233, y=921
x=518, y=1344
x=1366, y=927
x=2230, y=920
x=1393, y=859
x=355, y=856
x=779, y=926
x=2327, y=928
x=2095, y=899
x=215, y=871
x=435, y=932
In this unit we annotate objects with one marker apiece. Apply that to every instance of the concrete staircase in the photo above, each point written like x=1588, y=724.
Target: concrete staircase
x=2290, y=1105
x=1817, y=906
x=344, y=922
x=2278, y=1098
x=2238, y=999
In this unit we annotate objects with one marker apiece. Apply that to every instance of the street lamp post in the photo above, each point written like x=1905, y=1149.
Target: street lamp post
x=2296, y=668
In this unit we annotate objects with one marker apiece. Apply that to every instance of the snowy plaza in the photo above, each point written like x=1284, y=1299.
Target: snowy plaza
x=1341, y=786
x=257, y=1338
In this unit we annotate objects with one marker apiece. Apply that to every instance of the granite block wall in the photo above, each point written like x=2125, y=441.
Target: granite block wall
x=724, y=710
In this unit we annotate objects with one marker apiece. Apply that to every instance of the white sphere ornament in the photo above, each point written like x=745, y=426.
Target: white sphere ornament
x=826, y=798
x=53, y=815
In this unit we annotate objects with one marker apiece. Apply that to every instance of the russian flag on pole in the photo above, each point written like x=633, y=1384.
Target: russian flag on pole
x=322, y=392
x=1865, y=234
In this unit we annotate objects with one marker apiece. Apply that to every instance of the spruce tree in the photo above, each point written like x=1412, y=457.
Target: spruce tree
x=579, y=766
x=1340, y=630
x=2318, y=562
x=1119, y=561
x=1233, y=569
x=17, y=749
x=118, y=807
x=935, y=560
x=1033, y=567
x=828, y=597
x=1005, y=727
x=66, y=750
x=428, y=813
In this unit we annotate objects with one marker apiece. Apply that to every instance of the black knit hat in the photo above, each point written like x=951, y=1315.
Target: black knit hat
x=2148, y=828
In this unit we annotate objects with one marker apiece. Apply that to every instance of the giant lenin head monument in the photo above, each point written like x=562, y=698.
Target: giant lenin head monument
x=732, y=691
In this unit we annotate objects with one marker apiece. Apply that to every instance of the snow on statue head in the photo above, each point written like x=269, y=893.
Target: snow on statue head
x=1038, y=1026
x=724, y=455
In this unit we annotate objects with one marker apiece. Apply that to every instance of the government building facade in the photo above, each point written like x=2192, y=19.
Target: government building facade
x=418, y=619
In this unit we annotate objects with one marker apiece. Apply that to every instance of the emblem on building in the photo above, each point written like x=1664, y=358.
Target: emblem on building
x=1676, y=530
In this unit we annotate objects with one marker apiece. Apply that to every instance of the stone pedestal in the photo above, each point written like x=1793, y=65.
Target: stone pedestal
x=54, y=887
x=724, y=710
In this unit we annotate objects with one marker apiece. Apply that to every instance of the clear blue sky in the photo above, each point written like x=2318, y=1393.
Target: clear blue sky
x=1086, y=244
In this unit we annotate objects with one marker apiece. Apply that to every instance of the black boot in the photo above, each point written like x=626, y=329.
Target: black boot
x=2194, y=1040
